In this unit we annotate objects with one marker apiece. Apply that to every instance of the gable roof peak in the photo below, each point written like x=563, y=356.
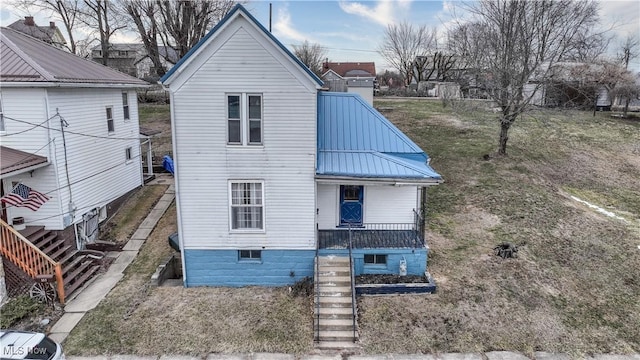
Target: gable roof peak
x=239, y=10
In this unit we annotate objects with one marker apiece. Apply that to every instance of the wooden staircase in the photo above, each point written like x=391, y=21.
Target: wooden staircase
x=334, y=309
x=73, y=266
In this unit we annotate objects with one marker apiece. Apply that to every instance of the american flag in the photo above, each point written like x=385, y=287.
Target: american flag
x=22, y=195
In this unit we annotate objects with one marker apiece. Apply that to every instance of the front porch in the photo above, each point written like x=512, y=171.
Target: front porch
x=380, y=248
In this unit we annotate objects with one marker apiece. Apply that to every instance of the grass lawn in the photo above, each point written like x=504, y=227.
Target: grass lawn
x=574, y=288
x=138, y=319
x=157, y=117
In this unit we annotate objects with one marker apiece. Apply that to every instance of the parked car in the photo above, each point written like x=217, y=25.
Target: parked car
x=29, y=345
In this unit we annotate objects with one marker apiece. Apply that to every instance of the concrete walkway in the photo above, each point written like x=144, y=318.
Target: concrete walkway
x=89, y=297
x=494, y=355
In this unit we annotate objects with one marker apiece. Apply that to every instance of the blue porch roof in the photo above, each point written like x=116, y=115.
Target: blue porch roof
x=355, y=140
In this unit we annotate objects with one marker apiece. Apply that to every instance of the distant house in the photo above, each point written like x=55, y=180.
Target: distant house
x=69, y=130
x=122, y=57
x=573, y=84
x=144, y=65
x=50, y=34
x=356, y=77
x=134, y=60
x=271, y=171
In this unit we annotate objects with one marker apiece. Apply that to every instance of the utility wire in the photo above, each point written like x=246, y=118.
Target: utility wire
x=29, y=129
x=90, y=176
x=73, y=132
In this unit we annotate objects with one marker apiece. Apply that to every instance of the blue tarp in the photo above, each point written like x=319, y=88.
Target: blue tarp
x=167, y=163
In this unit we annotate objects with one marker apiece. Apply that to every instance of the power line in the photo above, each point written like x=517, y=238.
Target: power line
x=72, y=132
x=89, y=176
x=29, y=129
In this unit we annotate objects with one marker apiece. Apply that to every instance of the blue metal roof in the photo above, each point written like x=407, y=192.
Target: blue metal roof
x=355, y=140
x=235, y=9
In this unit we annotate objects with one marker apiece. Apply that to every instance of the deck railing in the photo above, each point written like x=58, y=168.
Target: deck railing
x=20, y=251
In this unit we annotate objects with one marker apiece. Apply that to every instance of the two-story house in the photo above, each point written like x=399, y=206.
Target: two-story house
x=69, y=130
x=272, y=172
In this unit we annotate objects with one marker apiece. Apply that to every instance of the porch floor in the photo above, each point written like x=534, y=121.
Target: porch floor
x=370, y=239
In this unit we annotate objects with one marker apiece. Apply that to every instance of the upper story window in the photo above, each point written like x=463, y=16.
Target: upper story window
x=125, y=105
x=244, y=119
x=110, y=125
x=2, y=129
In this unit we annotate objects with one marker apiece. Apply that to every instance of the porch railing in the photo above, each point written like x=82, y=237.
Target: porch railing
x=20, y=251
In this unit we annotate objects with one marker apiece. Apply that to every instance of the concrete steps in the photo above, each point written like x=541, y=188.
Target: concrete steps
x=334, y=317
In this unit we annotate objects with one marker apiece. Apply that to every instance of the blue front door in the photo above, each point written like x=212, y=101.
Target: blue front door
x=351, y=197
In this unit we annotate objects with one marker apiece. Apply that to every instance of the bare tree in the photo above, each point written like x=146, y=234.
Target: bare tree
x=403, y=43
x=630, y=49
x=434, y=67
x=105, y=18
x=144, y=14
x=185, y=22
x=626, y=89
x=311, y=55
x=65, y=10
x=518, y=40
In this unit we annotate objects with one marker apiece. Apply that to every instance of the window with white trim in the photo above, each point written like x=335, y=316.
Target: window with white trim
x=249, y=255
x=244, y=119
x=110, y=125
x=375, y=259
x=125, y=105
x=128, y=153
x=246, y=205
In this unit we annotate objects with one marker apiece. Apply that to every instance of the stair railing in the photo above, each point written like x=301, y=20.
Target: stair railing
x=317, y=293
x=20, y=251
x=353, y=285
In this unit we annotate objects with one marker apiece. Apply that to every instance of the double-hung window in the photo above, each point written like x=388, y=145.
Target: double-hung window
x=110, y=125
x=125, y=105
x=247, y=205
x=244, y=119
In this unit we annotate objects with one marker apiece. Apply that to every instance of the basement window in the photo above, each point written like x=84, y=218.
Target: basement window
x=251, y=255
x=375, y=259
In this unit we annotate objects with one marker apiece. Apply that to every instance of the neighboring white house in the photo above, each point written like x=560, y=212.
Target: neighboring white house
x=271, y=171
x=69, y=129
x=353, y=77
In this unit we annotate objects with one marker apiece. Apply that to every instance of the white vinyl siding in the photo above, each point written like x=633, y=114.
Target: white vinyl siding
x=29, y=106
x=241, y=61
x=98, y=171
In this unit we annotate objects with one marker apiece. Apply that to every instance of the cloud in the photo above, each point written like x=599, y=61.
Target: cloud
x=382, y=13
x=283, y=28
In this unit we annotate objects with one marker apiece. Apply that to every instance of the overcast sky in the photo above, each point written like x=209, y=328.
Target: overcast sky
x=352, y=30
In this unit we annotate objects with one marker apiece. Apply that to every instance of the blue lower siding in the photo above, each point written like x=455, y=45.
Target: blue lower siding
x=285, y=267
x=416, y=260
x=223, y=268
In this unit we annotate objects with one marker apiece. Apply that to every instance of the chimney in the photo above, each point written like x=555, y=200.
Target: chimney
x=52, y=24
x=28, y=20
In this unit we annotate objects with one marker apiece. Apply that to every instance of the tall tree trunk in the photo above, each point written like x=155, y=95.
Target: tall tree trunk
x=504, y=136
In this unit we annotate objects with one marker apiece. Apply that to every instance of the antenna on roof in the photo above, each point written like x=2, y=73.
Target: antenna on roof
x=270, y=11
